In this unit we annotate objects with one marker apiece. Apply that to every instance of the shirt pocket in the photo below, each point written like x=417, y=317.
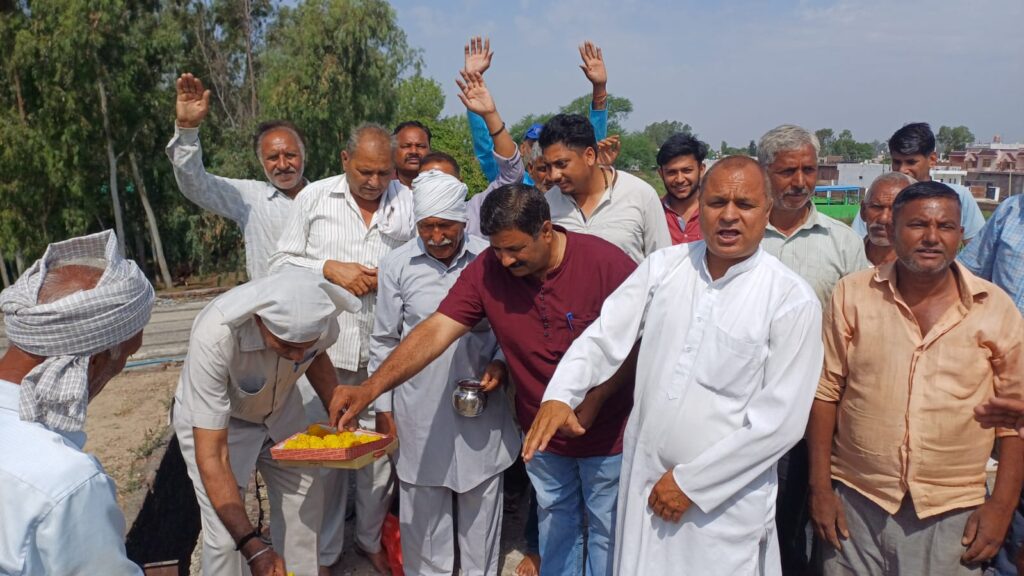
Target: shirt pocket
x=251, y=385
x=727, y=365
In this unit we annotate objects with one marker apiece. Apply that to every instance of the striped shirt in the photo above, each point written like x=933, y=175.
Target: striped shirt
x=821, y=251
x=326, y=225
x=258, y=208
x=997, y=253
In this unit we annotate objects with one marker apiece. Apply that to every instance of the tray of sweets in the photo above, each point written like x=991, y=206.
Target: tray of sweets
x=324, y=446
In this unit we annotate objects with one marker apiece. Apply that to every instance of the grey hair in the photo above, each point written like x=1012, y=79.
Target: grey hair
x=784, y=138
x=371, y=129
x=896, y=178
x=536, y=153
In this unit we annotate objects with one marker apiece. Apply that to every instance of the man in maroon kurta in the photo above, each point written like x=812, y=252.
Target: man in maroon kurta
x=539, y=287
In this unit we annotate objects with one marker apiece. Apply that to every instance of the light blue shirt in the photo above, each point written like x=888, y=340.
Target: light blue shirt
x=438, y=447
x=483, y=143
x=58, y=509
x=997, y=253
x=971, y=217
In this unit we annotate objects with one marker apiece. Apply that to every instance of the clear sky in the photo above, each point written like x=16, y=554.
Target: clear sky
x=733, y=70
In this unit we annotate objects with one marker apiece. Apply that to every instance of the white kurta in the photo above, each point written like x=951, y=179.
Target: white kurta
x=725, y=380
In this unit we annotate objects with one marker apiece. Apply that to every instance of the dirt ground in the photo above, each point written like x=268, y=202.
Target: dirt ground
x=127, y=422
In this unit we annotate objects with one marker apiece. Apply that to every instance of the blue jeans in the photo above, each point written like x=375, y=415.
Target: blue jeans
x=1003, y=563
x=562, y=483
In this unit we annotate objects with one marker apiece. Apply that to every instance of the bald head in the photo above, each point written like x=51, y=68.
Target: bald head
x=66, y=280
x=734, y=208
x=744, y=167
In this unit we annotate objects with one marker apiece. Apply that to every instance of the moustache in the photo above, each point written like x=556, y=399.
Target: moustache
x=443, y=242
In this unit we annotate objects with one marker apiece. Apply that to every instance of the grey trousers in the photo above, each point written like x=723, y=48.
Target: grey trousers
x=428, y=529
x=295, y=495
x=901, y=544
x=372, y=503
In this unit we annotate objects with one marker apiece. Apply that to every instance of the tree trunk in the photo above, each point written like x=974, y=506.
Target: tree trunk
x=154, y=232
x=3, y=271
x=112, y=161
x=253, y=101
x=19, y=262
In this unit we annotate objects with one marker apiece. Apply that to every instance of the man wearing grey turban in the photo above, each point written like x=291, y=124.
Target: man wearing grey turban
x=72, y=321
x=442, y=455
x=237, y=397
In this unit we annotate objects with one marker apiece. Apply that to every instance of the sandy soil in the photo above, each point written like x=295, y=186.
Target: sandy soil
x=128, y=420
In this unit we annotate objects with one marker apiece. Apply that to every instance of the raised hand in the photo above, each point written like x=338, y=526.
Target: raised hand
x=193, y=102
x=474, y=94
x=608, y=150
x=593, y=64
x=478, y=55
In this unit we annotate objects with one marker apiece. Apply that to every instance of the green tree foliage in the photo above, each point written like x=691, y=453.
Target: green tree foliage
x=330, y=65
x=659, y=132
x=951, y=139
x=639, y=153
x=325, y=64
x=845, y=146
x=451, y=135
x=420, y=99
x=619, y=109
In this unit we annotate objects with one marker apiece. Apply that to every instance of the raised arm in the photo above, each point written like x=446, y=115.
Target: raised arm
x=478, y=59
x=223, y=196
x=477, y=98
x=594, y=69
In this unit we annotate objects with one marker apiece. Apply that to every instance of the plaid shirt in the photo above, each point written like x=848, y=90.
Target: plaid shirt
x=997, y=253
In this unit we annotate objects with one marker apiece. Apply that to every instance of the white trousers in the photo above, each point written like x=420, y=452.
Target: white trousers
x=428, y=534
x=372, y=503
x=295, y=495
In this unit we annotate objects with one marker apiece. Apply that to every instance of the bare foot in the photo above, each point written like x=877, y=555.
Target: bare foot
x=379, y=559
x=529, y=565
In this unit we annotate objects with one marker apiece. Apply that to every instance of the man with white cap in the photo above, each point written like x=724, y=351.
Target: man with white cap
x=72, y=321
x=443, y=456
x=237, y=397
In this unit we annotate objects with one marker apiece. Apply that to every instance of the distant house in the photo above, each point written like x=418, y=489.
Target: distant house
x=996, y=168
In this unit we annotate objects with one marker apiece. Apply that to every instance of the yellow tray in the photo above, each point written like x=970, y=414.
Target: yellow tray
x=354, y=464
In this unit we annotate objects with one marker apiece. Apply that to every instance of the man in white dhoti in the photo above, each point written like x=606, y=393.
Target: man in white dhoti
x=237, y=397
x=72, y=320
x=443, y=456
x=727, y=369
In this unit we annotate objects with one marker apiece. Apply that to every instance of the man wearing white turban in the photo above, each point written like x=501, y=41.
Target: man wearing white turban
x=442, y=455
x=72, y=321
x=237, y=397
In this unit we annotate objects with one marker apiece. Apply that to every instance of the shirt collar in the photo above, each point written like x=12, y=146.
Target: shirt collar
x=696, y=213
x=9, y=392
x=275, y=190
x=971, y=287
x=249, y=337
x=813, y=220
x=733, y=271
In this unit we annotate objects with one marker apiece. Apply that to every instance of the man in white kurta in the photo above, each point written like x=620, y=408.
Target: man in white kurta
x=237, y=397
x=727, y=366
x=443, y=456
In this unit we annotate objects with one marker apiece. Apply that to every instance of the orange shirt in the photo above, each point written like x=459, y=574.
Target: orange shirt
x=905, y=418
